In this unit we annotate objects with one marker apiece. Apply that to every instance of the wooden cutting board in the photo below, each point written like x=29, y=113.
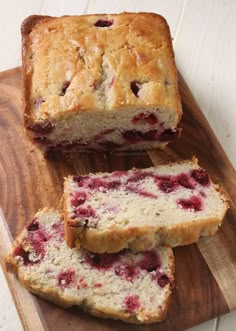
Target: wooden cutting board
x=205, y=272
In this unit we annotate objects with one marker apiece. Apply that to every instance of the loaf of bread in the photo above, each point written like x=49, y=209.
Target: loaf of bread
x=171, y=204
x=99, y=82
x=133, y=287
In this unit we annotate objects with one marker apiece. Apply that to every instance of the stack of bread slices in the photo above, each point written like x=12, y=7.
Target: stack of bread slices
x=110, y=249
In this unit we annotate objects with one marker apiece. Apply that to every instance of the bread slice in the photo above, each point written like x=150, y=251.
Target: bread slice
x=99, y=82
x=171, y=204
x=133, y=287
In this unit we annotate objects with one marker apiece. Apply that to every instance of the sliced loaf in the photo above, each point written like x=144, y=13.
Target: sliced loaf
x=99, y=82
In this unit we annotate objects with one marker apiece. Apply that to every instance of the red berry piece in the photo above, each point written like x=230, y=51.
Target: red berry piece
x=167, y=184
x=85, y=212
x=64, y=88
x=201, y=176
x=78, y=199
x=114, y=184
x=192, y=204
x=97, y=285
x=163, y=281
x=135, y=87
x=168, y=135
x=203, y=194
x=184, y=181
x=38, y=238
x=80, y=180
x=132, y=303
x=102, y=261
x=138, y=176
x=96, y=183
x=77, y=178
x=19, y=251
x=150, y=261
x=146, y=194
x=103, y=23
x=65, y=278
x=141, y=192
x=132, y=136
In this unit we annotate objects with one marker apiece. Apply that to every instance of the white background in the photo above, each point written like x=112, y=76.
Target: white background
x=204, y=33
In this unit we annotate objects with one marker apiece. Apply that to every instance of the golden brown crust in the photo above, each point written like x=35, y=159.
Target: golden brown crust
x=141, y=239
x=52, y=296
x=10, y=262
x=26, y=27
x=29, y=23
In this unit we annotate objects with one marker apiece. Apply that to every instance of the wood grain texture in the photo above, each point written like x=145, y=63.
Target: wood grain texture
x=28, y=182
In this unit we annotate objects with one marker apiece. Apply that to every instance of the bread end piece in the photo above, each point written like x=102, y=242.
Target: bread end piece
x=66, y=277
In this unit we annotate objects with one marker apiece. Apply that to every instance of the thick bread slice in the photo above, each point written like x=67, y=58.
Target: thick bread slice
x=171, y=204
x=133, y=287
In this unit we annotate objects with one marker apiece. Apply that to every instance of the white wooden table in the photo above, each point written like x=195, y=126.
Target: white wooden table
x=204, y=33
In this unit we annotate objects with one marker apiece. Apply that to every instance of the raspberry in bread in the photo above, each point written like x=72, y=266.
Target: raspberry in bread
x=99, y=82
x=171, y=204
x=133, y=287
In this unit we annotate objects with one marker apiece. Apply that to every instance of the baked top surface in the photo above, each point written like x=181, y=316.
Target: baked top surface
x=74, y=63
